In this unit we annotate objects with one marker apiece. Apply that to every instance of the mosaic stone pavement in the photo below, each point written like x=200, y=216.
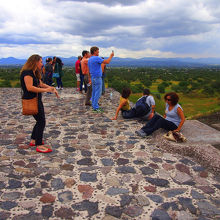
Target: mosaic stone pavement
x=99, y=168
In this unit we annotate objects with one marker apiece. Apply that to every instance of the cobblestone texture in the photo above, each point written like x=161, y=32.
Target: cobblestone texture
x=99, y=168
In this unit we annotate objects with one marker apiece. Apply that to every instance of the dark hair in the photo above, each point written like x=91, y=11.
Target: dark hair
x=84, y=52
x=146, y=92
x=48, y=59
x=173, y=96
x=126, y=93
x=79, y=57
x=54, y=60
x=59, y=61
x=93, y=49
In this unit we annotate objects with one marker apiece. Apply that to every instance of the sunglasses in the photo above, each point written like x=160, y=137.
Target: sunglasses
x=169, y=99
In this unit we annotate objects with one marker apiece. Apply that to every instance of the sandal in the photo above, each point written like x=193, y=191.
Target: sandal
x=43, y=149
x=33, y=144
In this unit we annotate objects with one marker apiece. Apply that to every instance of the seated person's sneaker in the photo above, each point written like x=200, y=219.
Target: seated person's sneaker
x=141, y=133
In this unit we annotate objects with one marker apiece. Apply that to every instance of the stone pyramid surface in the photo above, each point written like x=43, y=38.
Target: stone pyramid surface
x=99, y=168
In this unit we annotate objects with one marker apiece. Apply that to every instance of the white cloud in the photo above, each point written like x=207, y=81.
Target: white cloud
x=155, y=28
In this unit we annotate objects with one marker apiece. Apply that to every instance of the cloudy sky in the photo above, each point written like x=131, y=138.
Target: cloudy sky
x=132, y=28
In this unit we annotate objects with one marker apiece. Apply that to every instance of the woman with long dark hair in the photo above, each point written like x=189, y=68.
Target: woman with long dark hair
x=173, y=119
x=32, y=86
x=59, y=69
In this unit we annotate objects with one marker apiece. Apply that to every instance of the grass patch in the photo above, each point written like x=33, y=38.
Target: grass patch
x=193, y=106
x=14, y=83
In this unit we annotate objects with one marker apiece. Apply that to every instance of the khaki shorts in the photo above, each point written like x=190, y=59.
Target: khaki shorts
x=77, y=77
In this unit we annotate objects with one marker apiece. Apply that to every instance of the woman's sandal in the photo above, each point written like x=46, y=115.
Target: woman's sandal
x=33, y=144
x=43, y=149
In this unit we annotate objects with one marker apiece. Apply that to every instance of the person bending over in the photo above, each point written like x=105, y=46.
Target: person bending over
x=173, y=119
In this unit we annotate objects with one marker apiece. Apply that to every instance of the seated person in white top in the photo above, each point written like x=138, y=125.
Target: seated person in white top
x=173, y=119
x=144, y=107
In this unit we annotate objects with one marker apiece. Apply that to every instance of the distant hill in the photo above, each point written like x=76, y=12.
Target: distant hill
x=11, y=61
x=131, y=62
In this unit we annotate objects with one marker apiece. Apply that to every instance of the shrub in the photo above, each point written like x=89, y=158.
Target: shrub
x=161, y=88
x=158, y=96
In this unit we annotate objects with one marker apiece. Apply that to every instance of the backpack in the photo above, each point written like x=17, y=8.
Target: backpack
x=141, y=107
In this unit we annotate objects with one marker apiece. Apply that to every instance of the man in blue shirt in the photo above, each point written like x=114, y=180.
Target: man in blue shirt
x=95, y=70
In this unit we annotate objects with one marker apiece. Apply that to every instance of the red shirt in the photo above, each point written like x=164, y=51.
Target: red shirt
x=77, y=67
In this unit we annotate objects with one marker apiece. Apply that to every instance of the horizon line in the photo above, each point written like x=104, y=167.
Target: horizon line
x=123, y=57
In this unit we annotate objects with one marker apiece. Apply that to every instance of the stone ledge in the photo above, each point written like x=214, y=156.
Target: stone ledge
x=198, y=132
x=200, y=139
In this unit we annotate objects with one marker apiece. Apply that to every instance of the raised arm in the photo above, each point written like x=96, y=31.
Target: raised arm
x=109, y=59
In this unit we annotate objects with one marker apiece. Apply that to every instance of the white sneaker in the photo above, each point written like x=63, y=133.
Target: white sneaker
x=57, y=88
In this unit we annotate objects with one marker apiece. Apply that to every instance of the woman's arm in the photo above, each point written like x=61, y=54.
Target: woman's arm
x=43, y=85
x=28, y=80
x=118, y=109
x=182, y=117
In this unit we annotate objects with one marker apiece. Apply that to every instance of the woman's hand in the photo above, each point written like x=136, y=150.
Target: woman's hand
x=53, y=90
x=176, y=130
x=56, y=92
x=115, y=118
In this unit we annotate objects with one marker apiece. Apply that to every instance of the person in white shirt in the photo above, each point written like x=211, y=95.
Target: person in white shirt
x=144, y=107
x=150, y=102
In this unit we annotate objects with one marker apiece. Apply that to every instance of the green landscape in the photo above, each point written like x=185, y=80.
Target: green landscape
x=198, y=88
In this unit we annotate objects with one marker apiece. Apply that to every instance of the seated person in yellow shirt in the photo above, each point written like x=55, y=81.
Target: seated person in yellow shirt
x=124, y=102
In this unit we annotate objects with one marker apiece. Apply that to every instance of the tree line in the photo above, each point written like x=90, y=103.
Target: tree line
x=184, y=80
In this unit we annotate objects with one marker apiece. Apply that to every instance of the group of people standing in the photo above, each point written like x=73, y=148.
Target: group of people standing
x=53, y=69
x=92, y=67
x=90, y=74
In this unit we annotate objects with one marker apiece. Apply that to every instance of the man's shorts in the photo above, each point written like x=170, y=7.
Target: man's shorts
x=77, y=77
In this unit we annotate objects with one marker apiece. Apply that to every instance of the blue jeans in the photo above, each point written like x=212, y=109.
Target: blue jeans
x=59, y=83
x=158, y=122
x=103, y=83
x=82, y=82
x=96, y=91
